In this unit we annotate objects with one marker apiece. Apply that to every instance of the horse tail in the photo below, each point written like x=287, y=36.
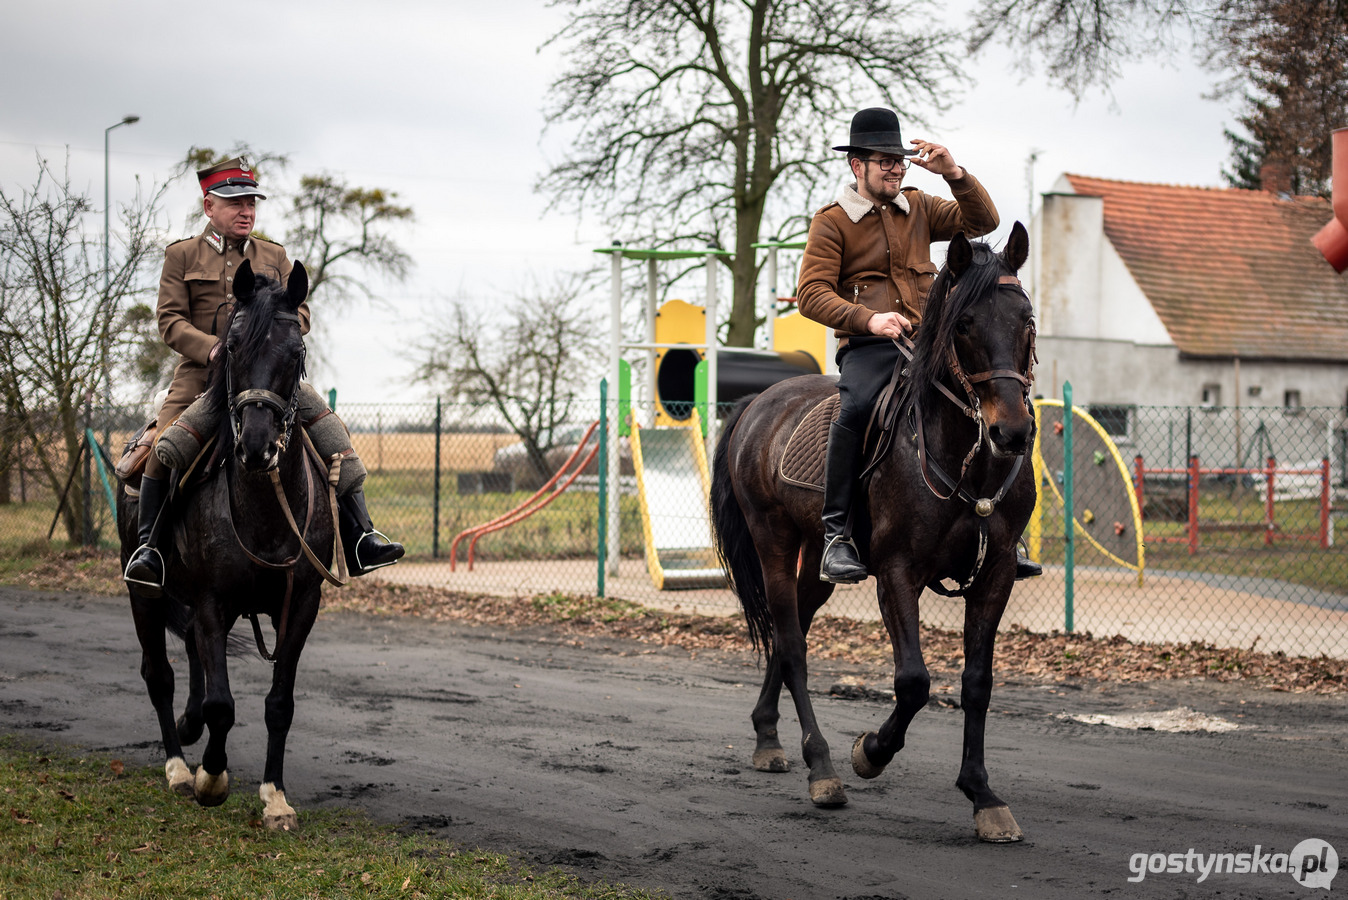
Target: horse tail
x=735, y=544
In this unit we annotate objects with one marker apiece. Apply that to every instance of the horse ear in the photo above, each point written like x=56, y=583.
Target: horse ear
x=297, y=287
x=960, y=255
x=245, y=283
x=1017, y=248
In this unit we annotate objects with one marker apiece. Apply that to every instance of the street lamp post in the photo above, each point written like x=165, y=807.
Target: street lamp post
x=107, y=266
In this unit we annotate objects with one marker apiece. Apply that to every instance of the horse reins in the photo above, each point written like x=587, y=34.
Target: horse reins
x=982, y=506
x=286, y=413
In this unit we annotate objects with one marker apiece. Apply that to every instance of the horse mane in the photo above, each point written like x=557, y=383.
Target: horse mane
x=255, y=318
x=944, y=307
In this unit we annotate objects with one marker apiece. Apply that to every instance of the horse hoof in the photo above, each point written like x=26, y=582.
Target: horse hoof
x=773, y=760
x=861, y=764
x=996, y=825
x=211, y=790
x=180, y=779
x=276, y=812
x=828, y=793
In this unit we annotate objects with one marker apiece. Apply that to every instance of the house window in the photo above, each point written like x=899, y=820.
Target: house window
x=1291, y=402
x=1212, y=396
x=1113, y=419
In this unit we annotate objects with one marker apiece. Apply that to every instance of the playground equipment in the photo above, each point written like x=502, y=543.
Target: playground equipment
x=1270, y=473
x=672, y=476
x=681, y=338
x=541, y=498
x=1104, y=509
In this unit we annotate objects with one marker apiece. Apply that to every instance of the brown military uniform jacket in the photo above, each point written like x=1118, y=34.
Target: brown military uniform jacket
x=861, y=259
x=196, y=294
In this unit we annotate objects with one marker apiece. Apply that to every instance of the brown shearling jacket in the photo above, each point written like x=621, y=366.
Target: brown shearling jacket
x=196, y=289
x=861, y=259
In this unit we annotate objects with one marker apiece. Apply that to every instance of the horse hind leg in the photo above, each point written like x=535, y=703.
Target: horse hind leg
x=811, y=595
x=217, y=709
x=157, y=674
x=192, y=723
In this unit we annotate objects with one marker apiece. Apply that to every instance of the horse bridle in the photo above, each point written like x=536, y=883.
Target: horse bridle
x=973, y=409
x=284, y=409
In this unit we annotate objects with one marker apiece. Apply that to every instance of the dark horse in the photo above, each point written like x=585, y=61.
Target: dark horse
x=938, y=509
x=236, y=552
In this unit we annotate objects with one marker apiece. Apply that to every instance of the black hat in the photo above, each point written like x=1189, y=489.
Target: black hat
x=876, y=129
x=231, y=178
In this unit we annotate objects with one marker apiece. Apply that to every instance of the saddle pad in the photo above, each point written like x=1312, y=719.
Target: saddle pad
x=803, y=460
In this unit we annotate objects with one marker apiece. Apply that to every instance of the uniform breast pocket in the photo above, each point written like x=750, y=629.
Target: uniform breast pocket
x=923, y=274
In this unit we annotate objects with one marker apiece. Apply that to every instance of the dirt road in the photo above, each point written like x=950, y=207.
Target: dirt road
x=633, y=765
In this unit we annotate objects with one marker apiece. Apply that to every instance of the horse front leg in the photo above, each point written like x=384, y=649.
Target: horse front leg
x=157, y=673
x=874, y=750
x=217, y=708
x=277, y=814
x=993, y=821
x=811, y=594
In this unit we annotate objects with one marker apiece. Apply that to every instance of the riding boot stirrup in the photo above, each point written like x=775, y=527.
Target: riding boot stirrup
x=841, y=562
x=145, y=568
x=366, y=548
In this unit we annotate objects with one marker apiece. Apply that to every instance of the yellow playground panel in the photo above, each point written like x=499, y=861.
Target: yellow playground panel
x=1105, y=512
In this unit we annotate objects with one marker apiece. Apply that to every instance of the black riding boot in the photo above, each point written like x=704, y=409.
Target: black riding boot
x=145, y=569
x=1027, y=568
x=365, y=548
x=841, y=563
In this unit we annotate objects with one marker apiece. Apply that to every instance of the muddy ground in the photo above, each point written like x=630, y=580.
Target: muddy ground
x=631, y=763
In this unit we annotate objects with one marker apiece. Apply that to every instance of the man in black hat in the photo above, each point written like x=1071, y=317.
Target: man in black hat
x=866, y=273
x=196, y=294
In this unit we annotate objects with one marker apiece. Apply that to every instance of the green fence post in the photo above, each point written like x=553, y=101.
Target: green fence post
x=435, y=504
x=603, y=482
x=102, y=471
x=1069, y=520
x=332, y=399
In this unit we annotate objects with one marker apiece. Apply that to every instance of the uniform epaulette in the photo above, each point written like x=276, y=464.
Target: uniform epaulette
x=179, y=241
x=266, y=240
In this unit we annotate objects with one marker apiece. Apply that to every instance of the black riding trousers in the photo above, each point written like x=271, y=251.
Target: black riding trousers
x=865, y=366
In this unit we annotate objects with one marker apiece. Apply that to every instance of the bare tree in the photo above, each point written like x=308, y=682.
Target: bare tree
x=699, y=121
x=1291, y=60
x=532, y=365
x=334, y=226
x=55, y=341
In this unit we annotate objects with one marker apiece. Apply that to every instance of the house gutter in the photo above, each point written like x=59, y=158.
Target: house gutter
x=1332, y=240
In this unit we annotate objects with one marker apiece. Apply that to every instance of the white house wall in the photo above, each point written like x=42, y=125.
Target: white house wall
x=1084, y=288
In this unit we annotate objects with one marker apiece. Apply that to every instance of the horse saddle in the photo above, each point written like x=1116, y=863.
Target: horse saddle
x=806, y=450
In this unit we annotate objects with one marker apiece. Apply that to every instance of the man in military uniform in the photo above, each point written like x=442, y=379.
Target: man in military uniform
x=866, y=273
x=196, y=295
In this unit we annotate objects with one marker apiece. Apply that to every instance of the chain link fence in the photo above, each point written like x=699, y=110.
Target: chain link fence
x=1213, y=524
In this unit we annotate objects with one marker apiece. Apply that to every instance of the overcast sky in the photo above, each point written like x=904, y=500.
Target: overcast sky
x=441, y=102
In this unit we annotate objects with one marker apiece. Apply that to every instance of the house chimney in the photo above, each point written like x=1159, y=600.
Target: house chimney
x=1332, y=240
x=1275, y=176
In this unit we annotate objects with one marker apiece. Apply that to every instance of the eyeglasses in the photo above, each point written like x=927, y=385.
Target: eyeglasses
x=887, y=163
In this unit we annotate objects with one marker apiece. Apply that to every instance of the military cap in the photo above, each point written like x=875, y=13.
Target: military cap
x=231, y=178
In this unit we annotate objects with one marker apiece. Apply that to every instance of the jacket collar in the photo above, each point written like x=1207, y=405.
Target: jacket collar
x=856, y=206
x=216, y=241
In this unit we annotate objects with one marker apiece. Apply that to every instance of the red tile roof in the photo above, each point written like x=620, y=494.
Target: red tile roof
x=1230, y=272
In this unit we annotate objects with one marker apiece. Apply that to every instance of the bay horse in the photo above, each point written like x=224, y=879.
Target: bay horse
x=948, y=501
x=234, y=547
